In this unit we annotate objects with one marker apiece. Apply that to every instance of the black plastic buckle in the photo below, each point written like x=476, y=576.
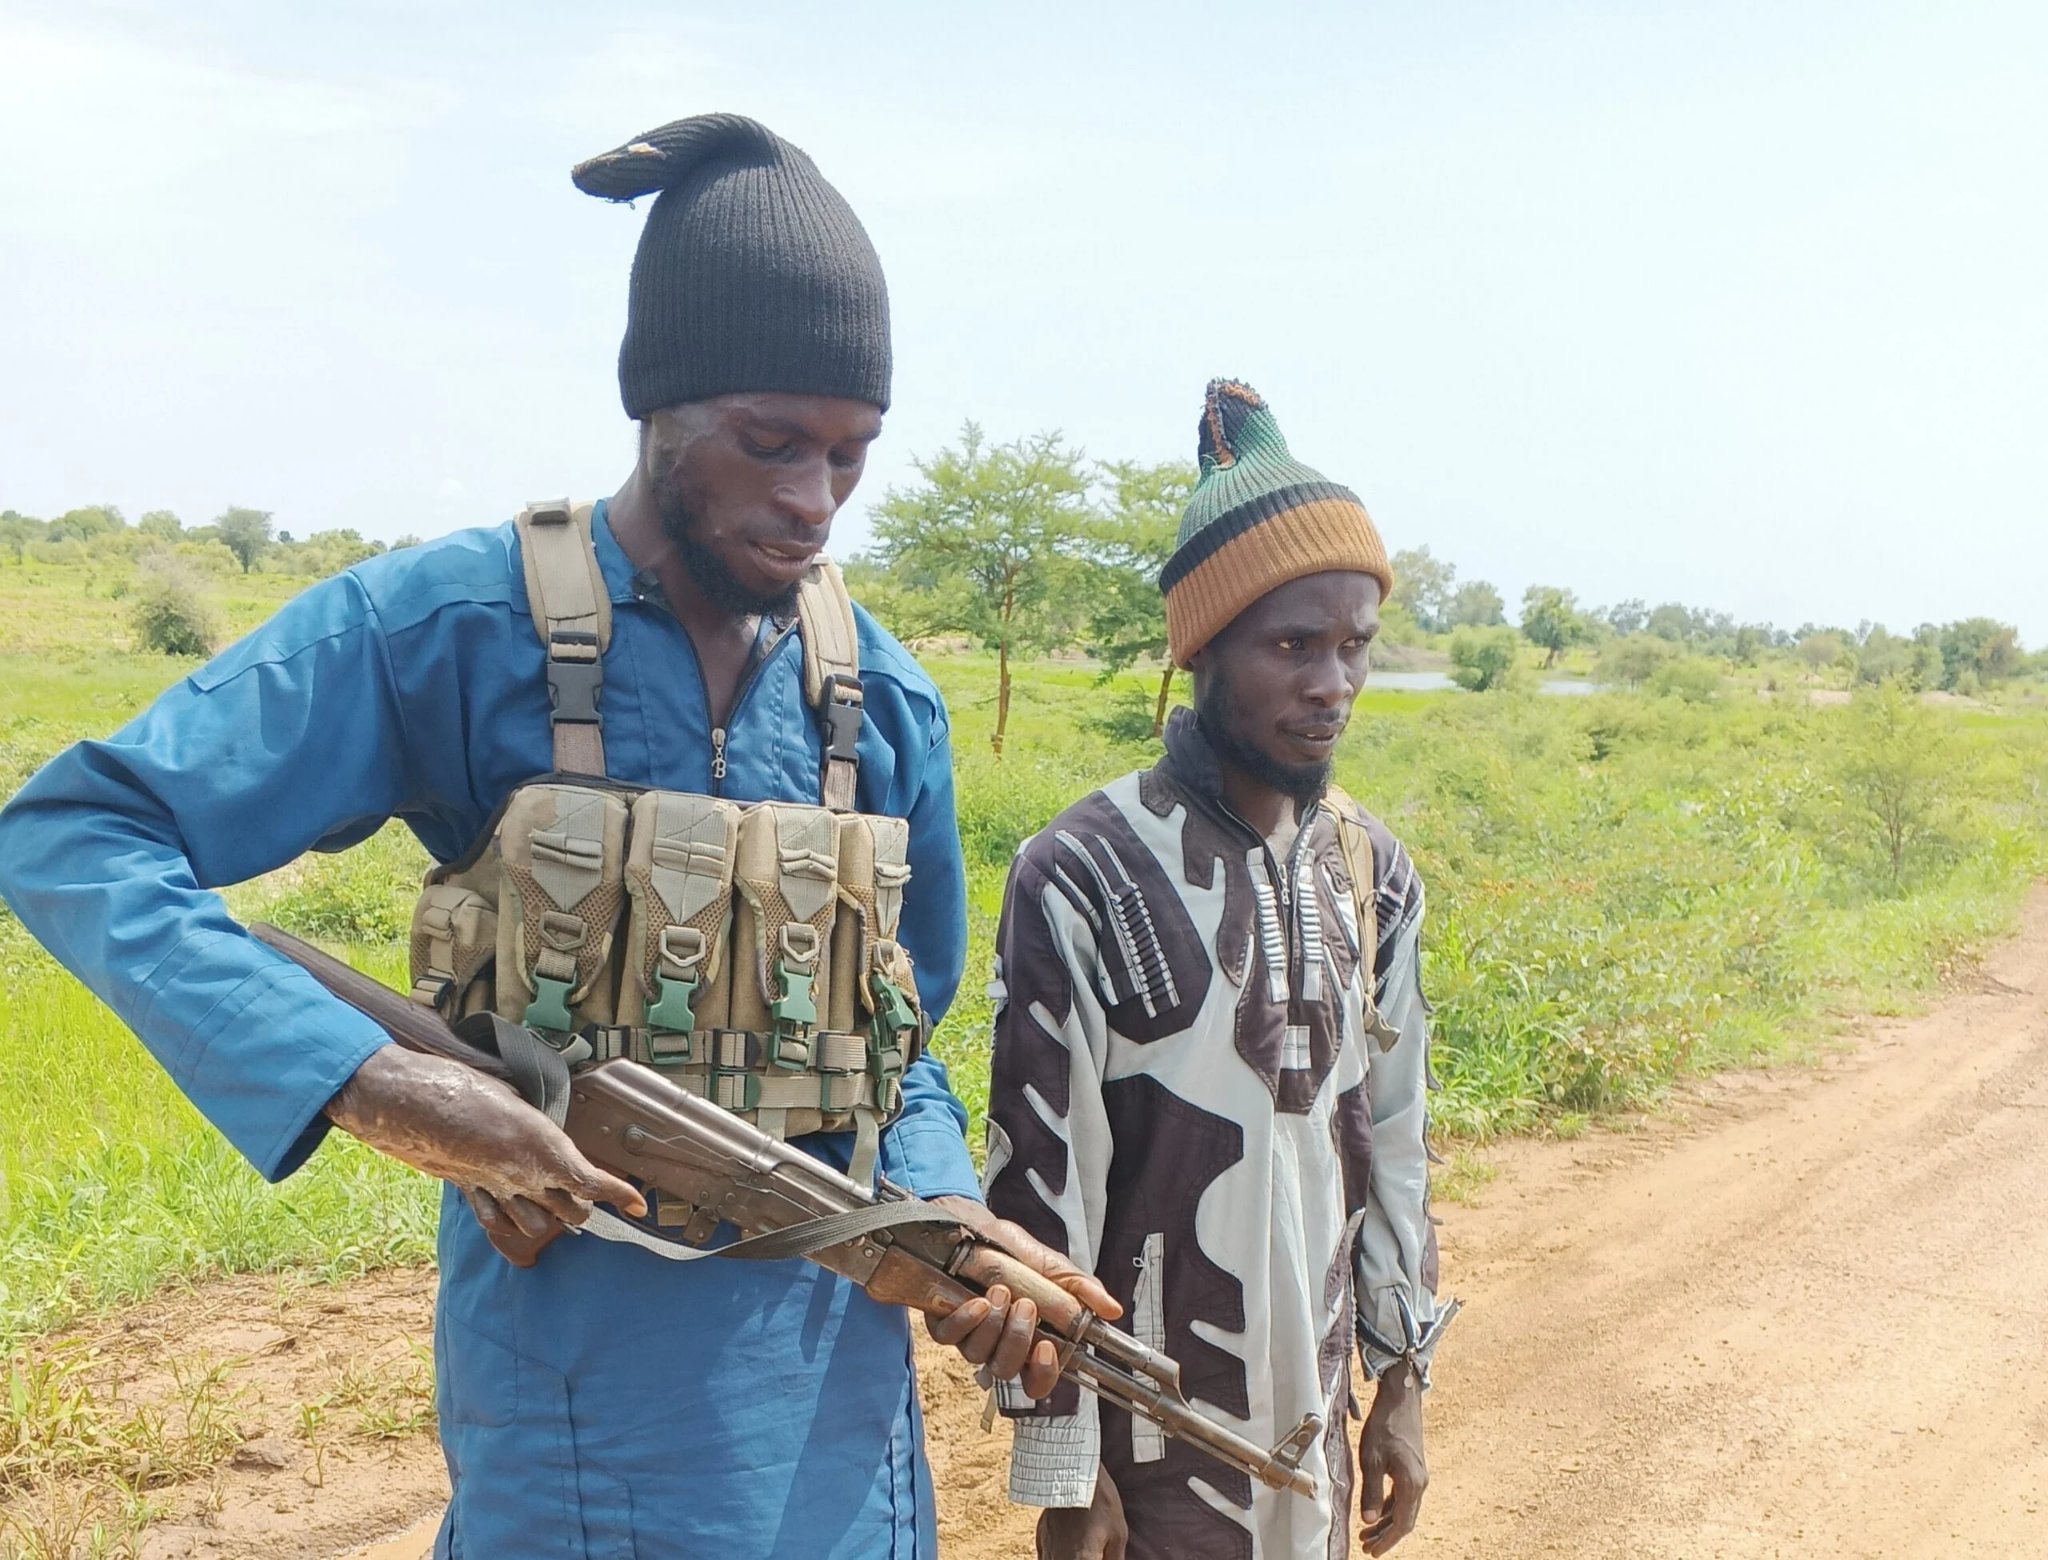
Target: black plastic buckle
x=575, y=677
x=843, y=717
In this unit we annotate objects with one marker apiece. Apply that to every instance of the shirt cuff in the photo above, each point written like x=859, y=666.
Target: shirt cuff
x=930, y=1159
x=1053, y=1462
x=1396, y=1336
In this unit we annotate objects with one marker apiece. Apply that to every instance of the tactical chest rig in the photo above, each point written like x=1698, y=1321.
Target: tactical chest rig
x=746, y=951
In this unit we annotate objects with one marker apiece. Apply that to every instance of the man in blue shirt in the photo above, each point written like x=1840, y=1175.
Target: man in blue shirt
x=598, y=1400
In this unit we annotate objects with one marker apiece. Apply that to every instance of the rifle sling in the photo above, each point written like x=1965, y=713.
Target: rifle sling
x=805, y=1239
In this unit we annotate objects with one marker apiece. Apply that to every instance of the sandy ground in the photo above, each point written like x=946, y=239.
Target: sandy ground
x=1804, y=1313
x=1810, y=1320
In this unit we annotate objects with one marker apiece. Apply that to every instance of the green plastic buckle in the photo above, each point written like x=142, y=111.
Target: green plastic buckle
x=549, y=1008
x=893, y=1016
x=892, y=1007
x=671, y=1010
x=796, y=1013
x=885, y=1060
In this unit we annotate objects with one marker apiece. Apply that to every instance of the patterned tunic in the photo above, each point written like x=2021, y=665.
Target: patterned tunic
x=1194, y=1097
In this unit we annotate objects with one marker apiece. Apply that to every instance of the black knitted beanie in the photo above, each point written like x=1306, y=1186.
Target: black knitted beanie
x=752, y=272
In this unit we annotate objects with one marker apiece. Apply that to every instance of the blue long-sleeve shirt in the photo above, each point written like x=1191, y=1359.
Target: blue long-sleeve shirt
x=605, y=1402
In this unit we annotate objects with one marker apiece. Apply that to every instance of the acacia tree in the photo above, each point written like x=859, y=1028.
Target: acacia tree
x=1425, y=585
x=1475, y=604
x=245, y=533
x=1127, y=548
x=991, y=533
x=1551, y=618
x=1980, y=649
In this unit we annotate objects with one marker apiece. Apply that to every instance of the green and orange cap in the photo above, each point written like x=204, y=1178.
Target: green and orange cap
x=1258, y=518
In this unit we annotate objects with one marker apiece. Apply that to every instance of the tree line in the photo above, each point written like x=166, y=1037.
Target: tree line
x=1030, y=545
x=236, y=538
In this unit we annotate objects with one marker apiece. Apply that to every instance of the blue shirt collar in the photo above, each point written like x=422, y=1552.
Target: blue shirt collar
x=612, y=562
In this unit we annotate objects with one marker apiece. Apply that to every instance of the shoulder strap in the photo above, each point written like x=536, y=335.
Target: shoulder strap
x=572, y=613
x=832, y=686
x=1356, y=844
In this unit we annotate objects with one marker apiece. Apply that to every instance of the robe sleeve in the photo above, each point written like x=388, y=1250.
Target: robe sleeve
x=111, y=855
x=1049, y=1146
x=1398, y=1314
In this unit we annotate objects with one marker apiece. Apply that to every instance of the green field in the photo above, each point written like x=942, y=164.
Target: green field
x=1622, y=888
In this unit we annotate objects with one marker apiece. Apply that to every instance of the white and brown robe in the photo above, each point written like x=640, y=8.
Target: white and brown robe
x=1193, y=1099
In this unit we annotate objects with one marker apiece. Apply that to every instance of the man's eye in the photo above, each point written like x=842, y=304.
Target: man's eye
x=767, y=451
x=1290, y=646
x=844, y=462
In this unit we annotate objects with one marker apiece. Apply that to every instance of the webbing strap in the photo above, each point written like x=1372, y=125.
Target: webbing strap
x=572, y=614
x=1356, y=844
x=832, y=678
x=540, y=1071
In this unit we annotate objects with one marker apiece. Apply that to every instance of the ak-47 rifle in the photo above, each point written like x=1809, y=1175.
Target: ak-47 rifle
x=901, y=1250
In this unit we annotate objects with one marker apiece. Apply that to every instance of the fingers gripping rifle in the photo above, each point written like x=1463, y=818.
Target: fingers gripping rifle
x=901, y=1250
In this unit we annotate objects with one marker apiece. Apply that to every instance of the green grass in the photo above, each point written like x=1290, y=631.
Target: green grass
x=1622, y=890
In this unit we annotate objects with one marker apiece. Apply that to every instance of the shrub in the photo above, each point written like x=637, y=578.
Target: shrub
x=1485, y=659
x=1896, y=773
x=1692, y=678
x=209, y=556
x=58, y=552
x=170, y=612
x=1631, y=662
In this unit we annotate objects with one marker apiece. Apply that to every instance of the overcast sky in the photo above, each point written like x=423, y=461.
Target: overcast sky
x=1739, y=304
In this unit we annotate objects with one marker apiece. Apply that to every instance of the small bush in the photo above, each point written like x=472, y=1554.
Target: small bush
x=170, y=612
x=1692, y=678
x=209, y=557
x=1633, y=661
x=1485, y=660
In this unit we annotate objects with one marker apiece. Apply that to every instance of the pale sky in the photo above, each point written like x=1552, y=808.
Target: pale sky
x=1738, y=304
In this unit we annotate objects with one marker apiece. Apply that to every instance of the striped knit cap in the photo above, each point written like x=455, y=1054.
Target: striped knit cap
x=1258, y=519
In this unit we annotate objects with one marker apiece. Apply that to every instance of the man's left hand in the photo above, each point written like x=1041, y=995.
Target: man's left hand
x=1392, y=1473
x=998, y=1330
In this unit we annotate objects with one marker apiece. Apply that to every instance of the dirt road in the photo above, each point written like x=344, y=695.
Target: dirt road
x=1810, y=1321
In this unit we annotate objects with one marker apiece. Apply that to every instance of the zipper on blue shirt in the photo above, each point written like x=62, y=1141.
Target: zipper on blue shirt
x=646, y=595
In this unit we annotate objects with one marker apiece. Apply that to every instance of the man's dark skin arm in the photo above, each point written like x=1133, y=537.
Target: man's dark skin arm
x=520, y=1172
x=1392, y=1473
x=1096, y=1531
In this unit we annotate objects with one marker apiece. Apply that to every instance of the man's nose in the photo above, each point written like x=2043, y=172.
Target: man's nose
x=1328, y=682
x=806, y=494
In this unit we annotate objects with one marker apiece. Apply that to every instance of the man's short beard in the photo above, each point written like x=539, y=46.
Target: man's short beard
x=1217, y=707
x=720, y=585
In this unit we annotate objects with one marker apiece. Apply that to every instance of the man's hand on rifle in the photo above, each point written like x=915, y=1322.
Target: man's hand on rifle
x=1392, y=1473
x=997, y=1330
x=523, y=1177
